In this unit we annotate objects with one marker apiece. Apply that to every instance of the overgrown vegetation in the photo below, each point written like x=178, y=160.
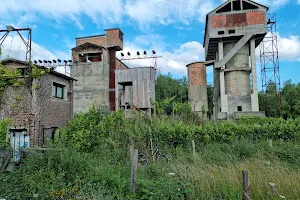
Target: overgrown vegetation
x=13, y=76
x=89, y=159
x=4, y=126
x=92, y=161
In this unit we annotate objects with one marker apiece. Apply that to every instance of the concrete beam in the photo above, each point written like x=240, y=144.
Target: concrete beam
x=241, y=2
x=254, y=95
x=253, y=65
x=233, y=51
x=223, y=97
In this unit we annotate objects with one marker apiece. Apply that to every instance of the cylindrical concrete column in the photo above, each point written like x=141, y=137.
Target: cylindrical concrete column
x=237, y=80
x=197, y=88
x=237, y=73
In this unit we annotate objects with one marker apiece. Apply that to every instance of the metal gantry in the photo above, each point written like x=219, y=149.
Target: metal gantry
x=270, y=74
x=27, y=42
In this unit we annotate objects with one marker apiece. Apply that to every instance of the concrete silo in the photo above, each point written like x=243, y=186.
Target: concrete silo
x=197, y=88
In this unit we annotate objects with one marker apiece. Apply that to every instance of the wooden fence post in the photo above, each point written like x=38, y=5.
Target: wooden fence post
x=134, y=164
x=270, y=142
x=246, y=185
x=131, y=148
x=194, y=149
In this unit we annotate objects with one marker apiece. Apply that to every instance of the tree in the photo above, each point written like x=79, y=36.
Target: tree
x=168, y=87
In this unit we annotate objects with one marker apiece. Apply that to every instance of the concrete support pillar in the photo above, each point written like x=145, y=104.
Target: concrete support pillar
x=241, y=2
x=224, y=100
x=254, y=95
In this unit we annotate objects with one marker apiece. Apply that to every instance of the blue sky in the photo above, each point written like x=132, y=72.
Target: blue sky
x=174, y=28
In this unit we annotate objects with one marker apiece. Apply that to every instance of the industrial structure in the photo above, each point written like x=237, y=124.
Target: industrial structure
x=232, y=33
x=104, y=80
x=270, y=75
x=197, y=88
x=94, y=65
x=37, y=108
x=135, y=89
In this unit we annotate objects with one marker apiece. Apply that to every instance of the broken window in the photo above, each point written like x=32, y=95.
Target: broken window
x=90, y=57
x=240, y=109
x=249, y=6
x=226, y=8
x=49, y=134
x=236, y=5
x=58, y=91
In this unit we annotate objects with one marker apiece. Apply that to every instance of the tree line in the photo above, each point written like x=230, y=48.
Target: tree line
x=174, y=91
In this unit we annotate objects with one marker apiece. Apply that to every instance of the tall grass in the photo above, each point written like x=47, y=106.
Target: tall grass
x=93, y=162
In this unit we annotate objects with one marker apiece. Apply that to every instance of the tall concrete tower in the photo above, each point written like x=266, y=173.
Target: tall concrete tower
x=232, y=32
x=95, y=62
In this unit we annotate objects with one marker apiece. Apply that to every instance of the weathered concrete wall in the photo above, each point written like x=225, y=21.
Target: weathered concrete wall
x=237, y=79
x=239, y=100
x=237, y=115
x=91, y=87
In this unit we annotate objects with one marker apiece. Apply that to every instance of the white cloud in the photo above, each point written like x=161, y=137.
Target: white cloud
x=167, y=11
x=173, y=61
x=143, y=12
x=272, y=4
x=13, y=47
x=106, y=12
x=288, y=47
x=100, y=11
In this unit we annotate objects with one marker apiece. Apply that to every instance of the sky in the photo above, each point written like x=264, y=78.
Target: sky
x=173, y=28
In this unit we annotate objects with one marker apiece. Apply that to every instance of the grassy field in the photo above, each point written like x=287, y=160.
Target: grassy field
x=96, y=165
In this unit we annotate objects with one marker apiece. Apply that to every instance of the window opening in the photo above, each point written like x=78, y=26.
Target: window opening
x=90, y=57
x=221, y=32
x=236, y=5
x=226, y=8
x=240, y=108
x=58, y=91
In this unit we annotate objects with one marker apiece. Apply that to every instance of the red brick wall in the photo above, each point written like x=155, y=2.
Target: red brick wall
x=197, y=74
x=99, y=40
x=218, y=21
x=114, y=38
x=255, y=18
x=240, y=19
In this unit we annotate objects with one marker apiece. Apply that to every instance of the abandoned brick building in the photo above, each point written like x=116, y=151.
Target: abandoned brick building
x=95, y=62
x=38, y=108
x=98, y=78
x=105, y=81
